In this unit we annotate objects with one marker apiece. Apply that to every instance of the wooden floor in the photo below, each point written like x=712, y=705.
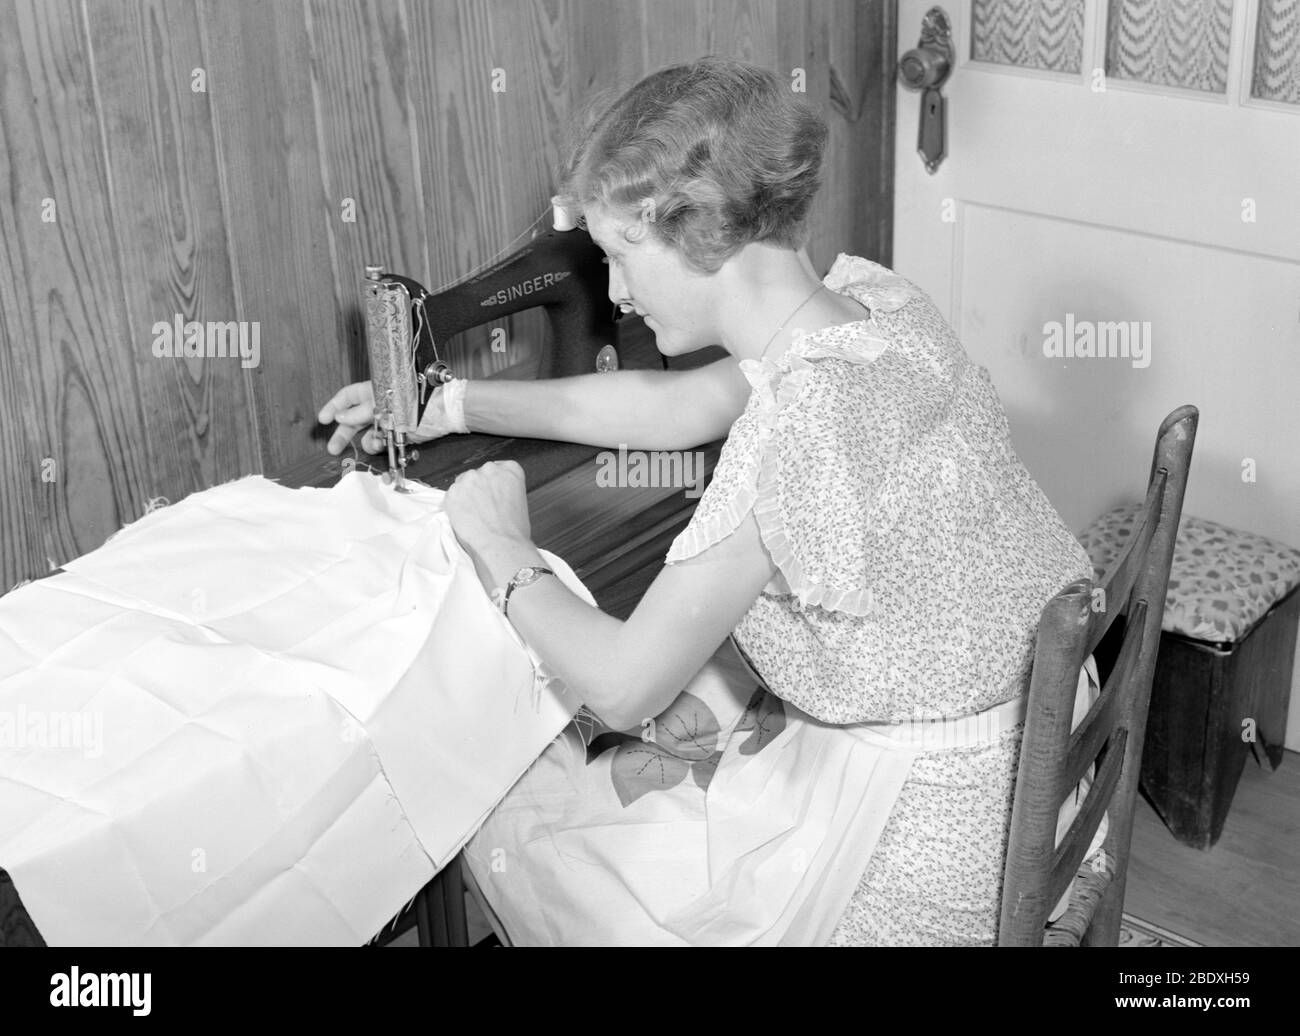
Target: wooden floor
x=1243, y=892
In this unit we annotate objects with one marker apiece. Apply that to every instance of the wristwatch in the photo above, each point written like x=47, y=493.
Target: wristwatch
x=527, y=574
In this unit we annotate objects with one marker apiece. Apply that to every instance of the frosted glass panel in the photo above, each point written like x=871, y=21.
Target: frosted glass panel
x=1045, y=34
x=1170, y=42
x=1277, y=52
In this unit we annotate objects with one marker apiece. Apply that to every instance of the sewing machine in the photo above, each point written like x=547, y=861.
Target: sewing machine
x=560, y=269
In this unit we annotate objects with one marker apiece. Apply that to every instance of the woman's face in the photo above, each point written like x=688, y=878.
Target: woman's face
x=677, y=301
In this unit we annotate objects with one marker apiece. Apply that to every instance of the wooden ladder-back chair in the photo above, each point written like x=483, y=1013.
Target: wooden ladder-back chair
x=1053, y=759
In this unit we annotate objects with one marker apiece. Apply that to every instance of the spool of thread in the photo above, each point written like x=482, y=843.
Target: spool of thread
x=562, y=218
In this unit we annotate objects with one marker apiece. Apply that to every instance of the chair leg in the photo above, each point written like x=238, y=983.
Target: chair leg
x=422, y=923
x=454, y=891
x=440, y=909
x=485, y=907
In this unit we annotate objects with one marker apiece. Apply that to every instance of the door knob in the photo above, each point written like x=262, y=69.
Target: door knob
x=926, y=68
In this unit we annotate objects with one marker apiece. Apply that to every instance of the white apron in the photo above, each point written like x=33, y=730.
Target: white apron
x=769, y=855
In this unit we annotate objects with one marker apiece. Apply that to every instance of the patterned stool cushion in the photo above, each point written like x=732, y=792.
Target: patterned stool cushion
x=1222, y=580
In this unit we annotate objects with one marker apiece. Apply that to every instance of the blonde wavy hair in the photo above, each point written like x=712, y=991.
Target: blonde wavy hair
x=708, y=156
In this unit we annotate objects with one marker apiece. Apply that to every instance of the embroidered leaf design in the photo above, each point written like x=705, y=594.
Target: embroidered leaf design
x=703, y=770
x=682, y=738
x=640, y=767
x=765, y=716
x=604, y=742
x=687, y=728
x=747, y=717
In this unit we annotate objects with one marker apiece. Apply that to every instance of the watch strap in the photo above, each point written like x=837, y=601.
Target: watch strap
x=525, y=576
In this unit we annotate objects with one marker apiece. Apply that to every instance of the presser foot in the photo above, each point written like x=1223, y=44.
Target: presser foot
x=395, y=475
x=397, y=481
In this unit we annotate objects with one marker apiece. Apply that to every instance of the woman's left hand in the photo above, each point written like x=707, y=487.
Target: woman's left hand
x=488, y=507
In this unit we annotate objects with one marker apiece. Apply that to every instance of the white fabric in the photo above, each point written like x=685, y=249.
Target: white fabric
x=784, y=867
x=771, y=854
x=305, y=702
x=563, y=860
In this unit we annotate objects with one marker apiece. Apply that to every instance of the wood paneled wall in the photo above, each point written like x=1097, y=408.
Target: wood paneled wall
x=197, y=157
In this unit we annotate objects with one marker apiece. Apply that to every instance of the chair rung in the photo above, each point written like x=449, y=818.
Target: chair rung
x=1056, y=754
x=1074, y=846
x=1118, y=581
x=1097, y=725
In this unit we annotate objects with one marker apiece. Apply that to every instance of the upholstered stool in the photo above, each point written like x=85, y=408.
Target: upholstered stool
x=1223, y=675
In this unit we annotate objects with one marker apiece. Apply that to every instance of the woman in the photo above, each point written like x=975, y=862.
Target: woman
x=869, y=537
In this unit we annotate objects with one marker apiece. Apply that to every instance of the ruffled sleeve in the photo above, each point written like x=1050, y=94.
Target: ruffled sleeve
x=822, y=473
x=810, y=454
x=731, y=492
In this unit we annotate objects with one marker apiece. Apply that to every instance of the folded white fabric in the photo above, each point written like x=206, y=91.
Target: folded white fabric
x=258, y=716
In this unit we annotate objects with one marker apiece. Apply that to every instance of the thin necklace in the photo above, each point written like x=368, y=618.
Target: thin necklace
x=788, y=319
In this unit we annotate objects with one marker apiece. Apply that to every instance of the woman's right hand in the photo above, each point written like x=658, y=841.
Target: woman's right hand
x=353, y=407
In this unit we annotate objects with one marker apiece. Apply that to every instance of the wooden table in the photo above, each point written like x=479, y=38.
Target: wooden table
x=614, y=538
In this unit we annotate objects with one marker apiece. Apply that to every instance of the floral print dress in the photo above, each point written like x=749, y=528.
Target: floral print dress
x=785, y=796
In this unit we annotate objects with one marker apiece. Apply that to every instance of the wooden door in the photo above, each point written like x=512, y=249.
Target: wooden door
x=1123, y=170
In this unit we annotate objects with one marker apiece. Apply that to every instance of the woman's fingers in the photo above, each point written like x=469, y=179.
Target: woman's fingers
x=353, y=407
x=358, y=394
x=350, y=422
x=371, y=442
x=339, y=440
x=356, y=416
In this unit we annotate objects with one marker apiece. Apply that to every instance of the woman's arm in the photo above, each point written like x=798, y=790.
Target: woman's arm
x=625, y=672
x=643, y=410
x=628, y=672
